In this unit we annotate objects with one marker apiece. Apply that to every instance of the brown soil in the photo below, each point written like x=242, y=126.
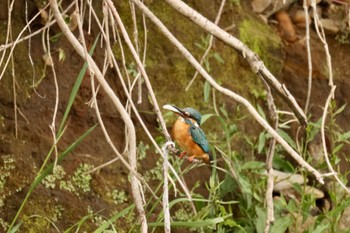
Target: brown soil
x=34, y=138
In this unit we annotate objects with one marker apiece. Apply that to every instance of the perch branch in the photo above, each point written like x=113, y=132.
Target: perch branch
x=226, y=91
x=269, y=158
x=150, y=91
x=166, y=209
x=255, y=62
x=128, y=94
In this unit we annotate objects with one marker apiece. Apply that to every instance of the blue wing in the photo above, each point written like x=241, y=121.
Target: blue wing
x=199, y=137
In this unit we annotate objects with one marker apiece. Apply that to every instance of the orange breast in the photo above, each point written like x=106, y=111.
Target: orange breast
x=182, y=136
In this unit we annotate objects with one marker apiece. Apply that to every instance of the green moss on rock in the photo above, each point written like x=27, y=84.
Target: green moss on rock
x=261, y=39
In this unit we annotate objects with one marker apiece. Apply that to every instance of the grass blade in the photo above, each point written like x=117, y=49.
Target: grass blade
x=46, y=172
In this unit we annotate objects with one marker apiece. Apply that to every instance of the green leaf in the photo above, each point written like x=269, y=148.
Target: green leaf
x=56, y=37
x=218, y=58
x=246, y=186
x=61, y=55
x=232, y=129
x=194, y=224
x=282, y=164
x=344, y=137
x=230, y=223
x=227, y=186
x=206, y=91
x=48, y=171
x=261, y=142
x=15, y=228
x=337, y=148
x=339, y=110
x=313, y=129
x=224, y=112
x=321, y=228
x=261, y=112
x=79, y=223
x=340, y=207
x=286, y=137
x=199, y=45
x=260, y=220
x=281, y=224
x=110, y=221
x=75, y=89
x=224, y=127
x=206, y=117
x=49, y=168
x=253, y=165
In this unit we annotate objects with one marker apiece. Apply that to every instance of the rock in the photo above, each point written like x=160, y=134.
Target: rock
x=314, y=192
x=283, y=180
x=260, y=5
x=279, y=5
x=316, y=152
x=331, y=27
x=310, y=1
x=344, y=222
x=285, y=26
x=294, y=194
x=301, y=224
x=299, y=18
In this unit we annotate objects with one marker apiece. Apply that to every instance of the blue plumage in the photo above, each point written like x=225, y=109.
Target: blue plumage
x=194, y=114
x=188, y=134
x=199, y=137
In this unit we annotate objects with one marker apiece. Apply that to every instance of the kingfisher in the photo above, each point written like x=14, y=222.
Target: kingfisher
x=187, y=133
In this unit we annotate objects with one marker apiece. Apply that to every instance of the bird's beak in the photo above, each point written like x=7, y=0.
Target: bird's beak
x=175, y=109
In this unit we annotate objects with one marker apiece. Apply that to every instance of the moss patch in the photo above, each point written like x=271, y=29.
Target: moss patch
x=261, y=39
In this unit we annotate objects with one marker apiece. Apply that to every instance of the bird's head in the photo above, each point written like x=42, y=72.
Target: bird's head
x=188, y=113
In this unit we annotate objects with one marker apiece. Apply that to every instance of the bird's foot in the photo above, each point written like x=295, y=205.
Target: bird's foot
x=199, y=158
x=191, y=158
x=182, y=154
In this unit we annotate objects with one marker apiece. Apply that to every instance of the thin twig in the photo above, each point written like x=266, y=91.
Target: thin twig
x=136, y=42
x=226, y=91
x=166, y=210
x=210, y=44
x=142, y=70
x=136, y=192
x=110, y=142
x=19, y=40
x=149, y=87
x=322, y=37
x=53, y=124
x=269, y=158
x=254, y=61
x=324, y=145
x=115, y=65
x=309, y=61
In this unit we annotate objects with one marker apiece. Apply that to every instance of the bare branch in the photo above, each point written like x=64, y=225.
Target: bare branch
x=324, y=146
x=226, y=91
x=255, y=62
x=125, y=116
x=269, y=158
x=210, y=44
x=309, y=62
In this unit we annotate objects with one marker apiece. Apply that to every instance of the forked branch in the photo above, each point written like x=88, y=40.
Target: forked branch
x=226, y=91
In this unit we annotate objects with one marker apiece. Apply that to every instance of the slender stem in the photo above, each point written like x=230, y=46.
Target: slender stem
x=226, y=91
x=136, y=192
x=309, y=61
